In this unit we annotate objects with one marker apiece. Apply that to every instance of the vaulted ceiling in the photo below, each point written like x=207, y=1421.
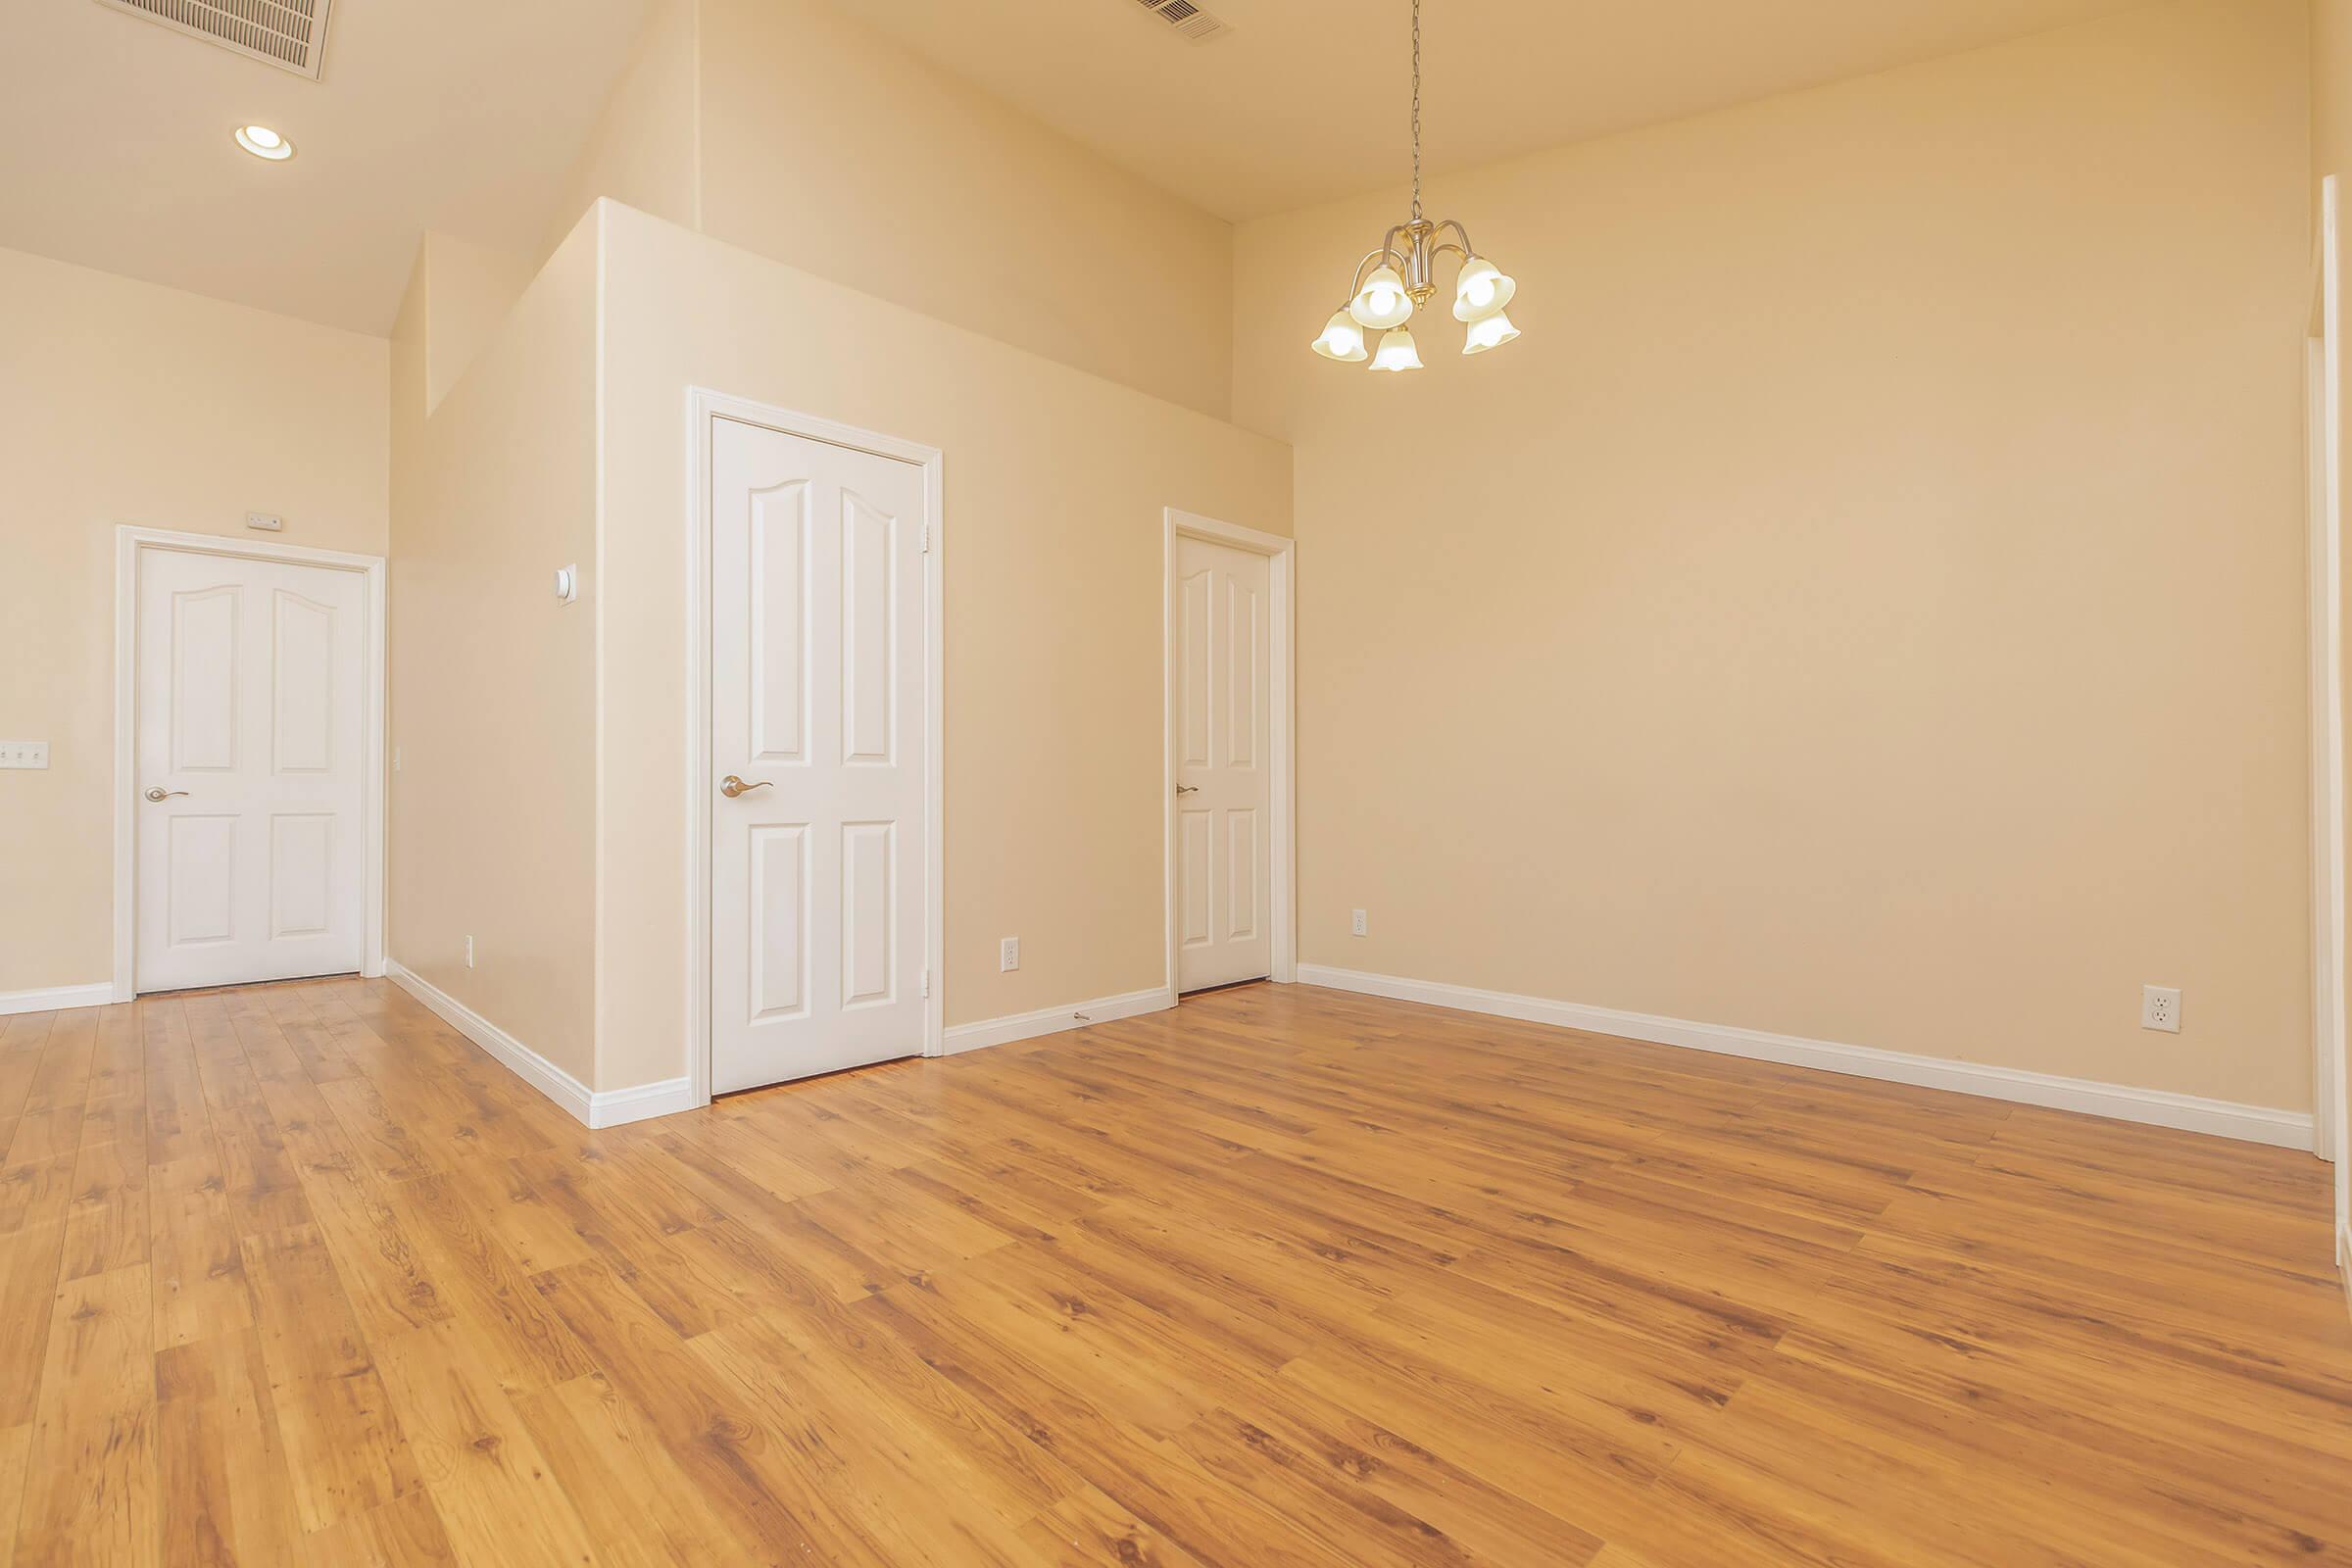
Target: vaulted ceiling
x=461, y=115
x=1305, y=100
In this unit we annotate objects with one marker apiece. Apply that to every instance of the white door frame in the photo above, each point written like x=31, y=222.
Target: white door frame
x=129, y=543
x=702, y=407
x=2323, y=382
x=1282, y=581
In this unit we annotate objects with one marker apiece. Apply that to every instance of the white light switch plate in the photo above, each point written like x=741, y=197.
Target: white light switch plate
x=23, y=754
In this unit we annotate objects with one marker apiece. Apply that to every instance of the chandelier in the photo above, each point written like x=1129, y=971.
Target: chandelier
x=1402, y=278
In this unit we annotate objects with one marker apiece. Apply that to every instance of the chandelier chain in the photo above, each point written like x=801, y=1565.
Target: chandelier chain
x=1416, y=110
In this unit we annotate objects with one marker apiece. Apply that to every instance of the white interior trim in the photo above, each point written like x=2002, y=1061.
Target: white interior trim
x=1282, y=698
x=2329, y=1134
x=54, y=998
x=610, y=1108
x=129, y=541
x=1052, y=1020
x=2259, y=1124
x=2327, y=762
x=702, y=407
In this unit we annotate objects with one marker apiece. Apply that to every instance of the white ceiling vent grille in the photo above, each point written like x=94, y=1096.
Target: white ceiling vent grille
x=1187, y=19
x=290, y=34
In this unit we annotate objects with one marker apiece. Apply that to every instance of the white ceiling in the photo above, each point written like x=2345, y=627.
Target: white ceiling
x=455, y=115
x=1307, y=100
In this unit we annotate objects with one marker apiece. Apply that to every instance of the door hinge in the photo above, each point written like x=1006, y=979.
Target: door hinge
x=926, y=538
x=926, y=982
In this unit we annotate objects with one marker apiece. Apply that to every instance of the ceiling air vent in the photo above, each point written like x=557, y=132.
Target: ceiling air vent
x=1187, y=19
x=290, y=34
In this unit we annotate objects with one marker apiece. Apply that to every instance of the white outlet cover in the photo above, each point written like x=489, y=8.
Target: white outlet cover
x=1009, y=954
x=2160, y=1009
x=1363, y=925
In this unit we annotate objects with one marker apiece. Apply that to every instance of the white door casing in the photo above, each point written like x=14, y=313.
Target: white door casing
x=1224, y=793
x=252, y=726
x=819, y=706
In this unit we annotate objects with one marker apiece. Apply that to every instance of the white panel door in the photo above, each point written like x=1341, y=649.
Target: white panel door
x=1224, y=855
x=817, y=717
x=251, y=757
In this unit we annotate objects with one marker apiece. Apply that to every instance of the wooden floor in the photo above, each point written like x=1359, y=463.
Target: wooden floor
x=295, y=1275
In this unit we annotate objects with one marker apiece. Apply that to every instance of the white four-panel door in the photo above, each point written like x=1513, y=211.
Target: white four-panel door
x=817, y=721
x=1224, y=850
x=249, y=766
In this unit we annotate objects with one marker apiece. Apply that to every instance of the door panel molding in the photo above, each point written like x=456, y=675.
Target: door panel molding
x=1281, y=652
x=704, y=407
x=130, y=544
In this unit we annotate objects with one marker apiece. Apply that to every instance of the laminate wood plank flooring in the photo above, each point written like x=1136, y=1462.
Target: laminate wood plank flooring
x=294, y=1274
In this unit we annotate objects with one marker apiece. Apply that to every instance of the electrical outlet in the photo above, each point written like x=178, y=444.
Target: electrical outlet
x=470, y=952
x=1364, y=924
x=1009, y=954
x=23, y=754
x=2160, y=1009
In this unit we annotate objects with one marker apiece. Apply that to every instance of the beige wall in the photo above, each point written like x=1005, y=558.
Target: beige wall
x=1054, y=485
x=1868, y=603
x=464, y=291
x=928, y=192
x=932, y=193
x=645, y=150
x=124, y=403
x=493, y=713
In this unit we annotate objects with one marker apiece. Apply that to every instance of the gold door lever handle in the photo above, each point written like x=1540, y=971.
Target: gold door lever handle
x=1187, y=789
x=731, y=786
x=159, y=793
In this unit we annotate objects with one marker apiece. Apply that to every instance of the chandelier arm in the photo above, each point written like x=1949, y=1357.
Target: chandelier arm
x=1469, y=251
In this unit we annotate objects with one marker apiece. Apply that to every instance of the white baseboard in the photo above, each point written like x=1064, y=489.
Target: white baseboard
x=1052, y=1020
x=615, y=1107
x=2259, y=1124
x=610, y=1108
x=55, y=998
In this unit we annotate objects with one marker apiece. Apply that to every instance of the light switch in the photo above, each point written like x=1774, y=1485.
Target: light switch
x=23, y=754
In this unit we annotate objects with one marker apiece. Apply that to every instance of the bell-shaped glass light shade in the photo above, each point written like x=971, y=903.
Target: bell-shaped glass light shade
x=1490, y=332
x=1481, y=291
x=1341, y=339
x=1382, y=301
x=1397, y=351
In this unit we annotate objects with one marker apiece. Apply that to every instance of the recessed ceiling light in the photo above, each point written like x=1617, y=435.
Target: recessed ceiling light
x=263, y=142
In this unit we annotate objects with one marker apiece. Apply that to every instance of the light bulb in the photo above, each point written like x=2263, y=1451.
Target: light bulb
x=1490, y=332
x=1481, y=290
x=1382, y=302
x=263, y=142
x=1397, y=352
x=1341, y=339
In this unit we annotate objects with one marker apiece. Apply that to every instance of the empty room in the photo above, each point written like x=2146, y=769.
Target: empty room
x=1176, y=783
